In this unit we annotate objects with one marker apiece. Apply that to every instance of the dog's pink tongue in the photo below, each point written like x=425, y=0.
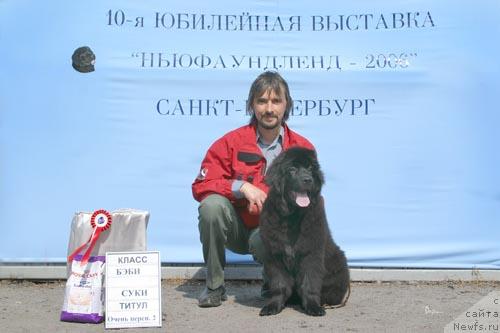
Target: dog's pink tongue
x=302, y=199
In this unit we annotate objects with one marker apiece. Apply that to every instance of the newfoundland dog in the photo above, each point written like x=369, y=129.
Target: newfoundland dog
x=303, y=262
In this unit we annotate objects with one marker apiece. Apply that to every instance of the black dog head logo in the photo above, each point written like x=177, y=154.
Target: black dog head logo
x=83, y=59
x=296, y=177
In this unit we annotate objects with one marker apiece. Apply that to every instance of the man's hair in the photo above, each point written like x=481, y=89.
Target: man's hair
x=269, y=81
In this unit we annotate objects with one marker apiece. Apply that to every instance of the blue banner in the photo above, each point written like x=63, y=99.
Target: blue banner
x=114, y=104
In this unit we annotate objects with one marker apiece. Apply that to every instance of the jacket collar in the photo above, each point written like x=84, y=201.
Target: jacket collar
x=250, y=144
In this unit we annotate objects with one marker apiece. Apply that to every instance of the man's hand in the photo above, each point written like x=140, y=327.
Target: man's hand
x=255, y=197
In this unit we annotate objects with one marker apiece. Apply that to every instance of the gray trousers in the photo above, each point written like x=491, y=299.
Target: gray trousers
x=221, y=228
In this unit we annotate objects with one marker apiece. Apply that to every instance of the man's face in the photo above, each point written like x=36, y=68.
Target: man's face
x=269, y=109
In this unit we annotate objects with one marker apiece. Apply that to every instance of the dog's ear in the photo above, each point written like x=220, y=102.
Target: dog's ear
x=317, y=174
x=276, y=172
x=276, y=179
x=320, y=178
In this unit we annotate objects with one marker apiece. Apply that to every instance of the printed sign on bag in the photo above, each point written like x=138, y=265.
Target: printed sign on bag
x=133, y=289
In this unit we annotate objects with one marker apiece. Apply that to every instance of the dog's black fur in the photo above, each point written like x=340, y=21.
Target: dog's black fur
x=303, y=260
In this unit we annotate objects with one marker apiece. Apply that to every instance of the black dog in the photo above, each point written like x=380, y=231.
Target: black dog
x=303, y=260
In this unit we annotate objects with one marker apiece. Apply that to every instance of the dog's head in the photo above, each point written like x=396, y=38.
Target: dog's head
x=295, y=179
x=83, y=59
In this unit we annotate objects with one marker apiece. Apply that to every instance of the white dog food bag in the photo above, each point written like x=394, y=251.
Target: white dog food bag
x=84, y=297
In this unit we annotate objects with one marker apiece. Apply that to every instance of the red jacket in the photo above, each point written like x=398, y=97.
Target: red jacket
x=237, y=156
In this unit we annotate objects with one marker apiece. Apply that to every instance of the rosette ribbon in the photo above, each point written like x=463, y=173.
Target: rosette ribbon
x=100, y=221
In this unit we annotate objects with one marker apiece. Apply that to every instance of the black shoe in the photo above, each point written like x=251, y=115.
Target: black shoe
x=212, y=297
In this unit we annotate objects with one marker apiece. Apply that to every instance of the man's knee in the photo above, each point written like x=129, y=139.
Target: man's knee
x=214, y=212
x=213, y=207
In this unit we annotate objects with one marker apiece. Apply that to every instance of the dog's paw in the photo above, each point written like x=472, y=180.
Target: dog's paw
x=271, y=309
x=315, y=310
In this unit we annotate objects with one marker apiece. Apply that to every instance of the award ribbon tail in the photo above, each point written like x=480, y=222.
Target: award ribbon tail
x=75, y=252
x=93, y=240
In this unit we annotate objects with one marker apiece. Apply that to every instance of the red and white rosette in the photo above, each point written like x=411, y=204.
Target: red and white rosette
x=100, y=221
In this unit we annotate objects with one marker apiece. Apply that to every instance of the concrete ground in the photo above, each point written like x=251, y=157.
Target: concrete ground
x=27, y=306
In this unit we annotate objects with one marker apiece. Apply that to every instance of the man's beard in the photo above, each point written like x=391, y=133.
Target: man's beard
x=268, y=126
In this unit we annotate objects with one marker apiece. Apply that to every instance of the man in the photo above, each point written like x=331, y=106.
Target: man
x=230, y=186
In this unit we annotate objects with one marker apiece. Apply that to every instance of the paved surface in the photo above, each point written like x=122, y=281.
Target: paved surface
x=373, y=307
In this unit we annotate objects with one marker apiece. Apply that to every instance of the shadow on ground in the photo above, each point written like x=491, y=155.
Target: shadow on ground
x=246, y=293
